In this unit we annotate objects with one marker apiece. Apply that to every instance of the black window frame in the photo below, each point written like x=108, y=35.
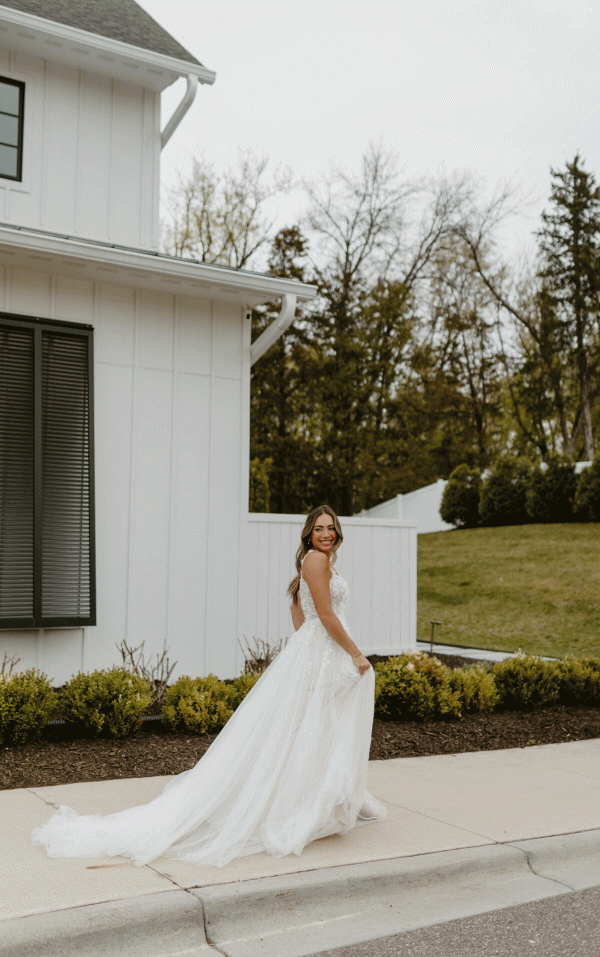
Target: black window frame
x=21, y=118
x=38, y=620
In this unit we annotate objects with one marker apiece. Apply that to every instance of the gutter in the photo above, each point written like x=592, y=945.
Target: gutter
x=276, y=329
x=178, y=115
x=75, y=251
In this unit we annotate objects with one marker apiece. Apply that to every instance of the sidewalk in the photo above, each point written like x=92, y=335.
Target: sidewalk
x=465, y=834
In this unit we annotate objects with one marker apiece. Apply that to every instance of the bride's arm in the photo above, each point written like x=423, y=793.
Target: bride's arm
x=315, y=571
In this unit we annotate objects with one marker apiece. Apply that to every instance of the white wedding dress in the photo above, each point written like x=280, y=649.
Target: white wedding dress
x=288, y=768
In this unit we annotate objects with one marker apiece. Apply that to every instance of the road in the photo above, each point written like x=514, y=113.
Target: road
x=564, y=926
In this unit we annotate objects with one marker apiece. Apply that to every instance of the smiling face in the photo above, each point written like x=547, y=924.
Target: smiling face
x=324, y=535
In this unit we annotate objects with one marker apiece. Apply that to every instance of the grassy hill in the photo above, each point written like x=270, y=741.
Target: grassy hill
x=534, y=587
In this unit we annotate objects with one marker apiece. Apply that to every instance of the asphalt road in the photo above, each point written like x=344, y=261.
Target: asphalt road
x=564, y=926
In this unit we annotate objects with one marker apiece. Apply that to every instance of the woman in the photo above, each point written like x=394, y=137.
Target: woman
x=289, y=767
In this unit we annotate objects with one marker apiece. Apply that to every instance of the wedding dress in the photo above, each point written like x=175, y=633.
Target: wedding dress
x=288, y=768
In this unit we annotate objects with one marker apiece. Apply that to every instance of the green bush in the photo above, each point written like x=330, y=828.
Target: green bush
x=579, y=680
x=475, y=687
x=587, y=496
x=106, y=702
x=26, y=703
x=198, y=705
x=239, y=688
x=504, y=493
x=551, y=492
x=526, y=680
x=462, y=494
x=414, y=686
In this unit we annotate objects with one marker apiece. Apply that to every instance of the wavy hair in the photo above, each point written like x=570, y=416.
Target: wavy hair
x=306, y=545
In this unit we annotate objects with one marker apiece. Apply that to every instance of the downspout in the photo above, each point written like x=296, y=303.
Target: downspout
x=178, y=115
x=276, y=329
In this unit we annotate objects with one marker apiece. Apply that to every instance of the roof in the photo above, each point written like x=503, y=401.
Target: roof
x=122, y=20
x=28, y=248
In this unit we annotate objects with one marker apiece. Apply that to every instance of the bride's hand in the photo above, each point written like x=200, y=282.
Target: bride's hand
x=361, y=663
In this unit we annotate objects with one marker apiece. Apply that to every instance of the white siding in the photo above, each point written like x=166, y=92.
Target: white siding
x=91, y=154
x=378, y=558
x=171, y=411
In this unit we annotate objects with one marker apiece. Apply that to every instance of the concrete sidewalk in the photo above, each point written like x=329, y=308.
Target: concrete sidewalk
x=465, y=834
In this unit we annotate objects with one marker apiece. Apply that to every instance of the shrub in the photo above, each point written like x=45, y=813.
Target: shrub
x=26, y=703
x=551, y=492
x=504, y=493
x=587, y=496
x=525, y=680
x=579, y=680
x=414, y=686
x=462, y=494
x=106, y=702
x=198, y=705
x=239, y=688
x=475, y=687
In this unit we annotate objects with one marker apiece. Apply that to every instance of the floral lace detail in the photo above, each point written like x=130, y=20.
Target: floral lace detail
x=339, y=596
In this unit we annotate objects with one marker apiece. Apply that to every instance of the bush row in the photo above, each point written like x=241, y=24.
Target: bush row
x=112, y=703
x=418, y=686
x=517, y=491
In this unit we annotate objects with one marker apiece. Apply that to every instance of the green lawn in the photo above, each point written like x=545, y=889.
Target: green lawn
x=534, y=587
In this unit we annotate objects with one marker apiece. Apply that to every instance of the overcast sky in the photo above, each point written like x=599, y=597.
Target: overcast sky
x=501, y=88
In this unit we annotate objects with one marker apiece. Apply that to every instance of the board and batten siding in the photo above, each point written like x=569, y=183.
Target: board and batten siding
x=91, y=155
x=171, y=394
x=378, y=558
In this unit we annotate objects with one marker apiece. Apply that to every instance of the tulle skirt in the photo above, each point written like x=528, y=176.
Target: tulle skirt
x=289, y=767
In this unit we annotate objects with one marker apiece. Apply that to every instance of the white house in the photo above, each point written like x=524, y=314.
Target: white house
x=124, y=373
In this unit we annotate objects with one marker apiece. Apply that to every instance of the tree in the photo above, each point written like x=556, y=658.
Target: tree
x=587, y=497
x=462, y=494
x=551, y=491
x=552, y=356
x=570, y=246
x=374, y=235
x=504, y=493
x=283, y=402
x=260, y=495
x=460, y=324
x=222, y=218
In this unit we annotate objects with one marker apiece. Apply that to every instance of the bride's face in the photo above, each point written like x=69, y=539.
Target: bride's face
x=324, y=535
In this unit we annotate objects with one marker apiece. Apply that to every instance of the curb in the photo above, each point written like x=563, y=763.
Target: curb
x=305, y=913
x=169, y=923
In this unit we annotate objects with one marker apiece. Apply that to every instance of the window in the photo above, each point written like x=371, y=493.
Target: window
x=47, y=555
x=12, y=99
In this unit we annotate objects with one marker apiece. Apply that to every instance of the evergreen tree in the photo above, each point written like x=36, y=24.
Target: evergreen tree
x=570, y=246
x=283, y=402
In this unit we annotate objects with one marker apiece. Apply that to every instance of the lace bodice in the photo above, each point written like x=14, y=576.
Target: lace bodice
x=339, y=596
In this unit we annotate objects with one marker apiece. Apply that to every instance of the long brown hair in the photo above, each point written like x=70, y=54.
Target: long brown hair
x=306, y=544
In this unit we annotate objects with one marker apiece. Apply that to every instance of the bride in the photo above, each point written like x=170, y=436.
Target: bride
x=288, y=768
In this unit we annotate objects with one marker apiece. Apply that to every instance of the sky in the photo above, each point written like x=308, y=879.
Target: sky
x=501, y=89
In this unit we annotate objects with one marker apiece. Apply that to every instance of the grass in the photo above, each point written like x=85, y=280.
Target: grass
x=534, y=587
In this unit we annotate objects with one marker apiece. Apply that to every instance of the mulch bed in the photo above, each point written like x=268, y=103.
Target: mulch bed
x=150, y=752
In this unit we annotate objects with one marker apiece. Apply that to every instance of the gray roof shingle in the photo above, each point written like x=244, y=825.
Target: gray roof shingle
x=122, y=20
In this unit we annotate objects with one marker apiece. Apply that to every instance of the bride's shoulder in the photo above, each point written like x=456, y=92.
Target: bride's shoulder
x=315, y=562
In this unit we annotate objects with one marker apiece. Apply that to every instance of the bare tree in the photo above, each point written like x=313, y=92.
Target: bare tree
x=224, y=218
x=373, y=235
x=545, y=384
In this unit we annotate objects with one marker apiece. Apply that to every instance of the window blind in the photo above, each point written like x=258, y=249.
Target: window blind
x=47, y=561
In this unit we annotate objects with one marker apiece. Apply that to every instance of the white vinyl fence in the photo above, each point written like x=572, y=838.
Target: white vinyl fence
x=421, y=506
x=378, y=559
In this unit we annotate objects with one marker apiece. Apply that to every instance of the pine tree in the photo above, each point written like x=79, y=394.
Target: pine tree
x=570, y=246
